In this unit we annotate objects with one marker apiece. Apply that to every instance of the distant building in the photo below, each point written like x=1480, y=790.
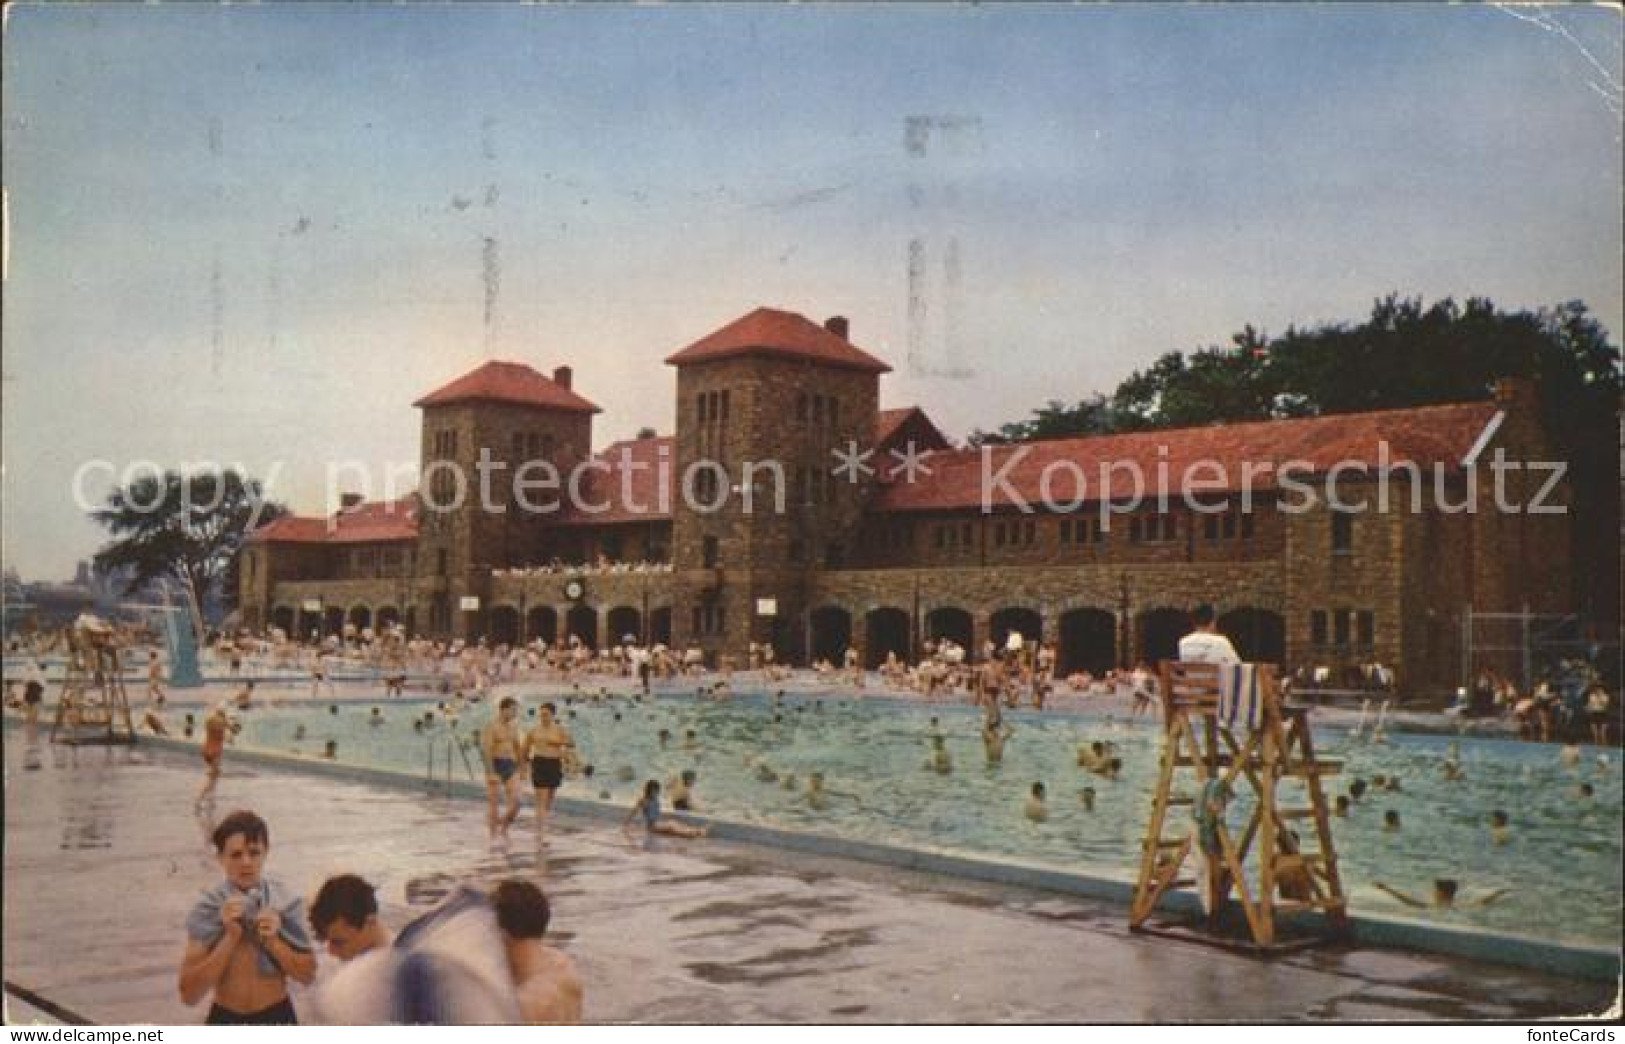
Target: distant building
x=883, y=563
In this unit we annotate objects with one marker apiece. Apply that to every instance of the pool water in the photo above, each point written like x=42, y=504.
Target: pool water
x=1562, y=862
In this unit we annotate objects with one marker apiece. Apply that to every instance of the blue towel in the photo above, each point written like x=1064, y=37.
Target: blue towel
x=203, y=923
x=1240, y=700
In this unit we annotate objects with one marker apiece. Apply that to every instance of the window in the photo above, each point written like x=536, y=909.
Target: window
x=1210, y=527
x=1029, y=533
x=942, y=537
x=1229, y=527
x=1134, y=530
x=725, y=405
x=1365, y=628
x=998, y=535
x=699, y=407
x=1247, y=526
x=1340, y=627
x=818, y=409
x=1317, y=627
x=711, y=552
x=1342, y=533
x=698, y=620
x=965, y=535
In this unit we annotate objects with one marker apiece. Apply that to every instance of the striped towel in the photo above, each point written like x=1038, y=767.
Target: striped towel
x=1240, y=699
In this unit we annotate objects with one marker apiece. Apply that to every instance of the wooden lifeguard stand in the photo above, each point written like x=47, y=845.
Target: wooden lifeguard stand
x=92, y=706
x=1225, y=727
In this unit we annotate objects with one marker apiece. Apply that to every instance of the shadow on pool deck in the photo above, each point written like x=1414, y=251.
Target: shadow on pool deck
x=103, y=858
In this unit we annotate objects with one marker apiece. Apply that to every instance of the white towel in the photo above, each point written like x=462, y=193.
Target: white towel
x=1240, y=699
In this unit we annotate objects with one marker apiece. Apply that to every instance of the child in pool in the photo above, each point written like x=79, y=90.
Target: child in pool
x=647, y=809
x=1036, y=809
x=1500, y=827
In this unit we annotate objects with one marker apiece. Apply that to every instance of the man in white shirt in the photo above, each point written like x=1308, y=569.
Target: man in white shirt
x=1206, y=644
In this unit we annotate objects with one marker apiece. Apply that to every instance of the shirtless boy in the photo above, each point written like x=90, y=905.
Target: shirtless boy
x=499, y=748
x=245, y=938
x=545, y=979
x=546, y=748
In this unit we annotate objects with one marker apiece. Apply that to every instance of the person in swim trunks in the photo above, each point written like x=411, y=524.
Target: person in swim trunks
x=499, y=748
x=546, y=747
x=244, y=938
x=215, y=727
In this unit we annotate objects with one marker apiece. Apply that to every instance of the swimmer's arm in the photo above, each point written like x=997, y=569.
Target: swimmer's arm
x=1401, y=896
x=202, y=967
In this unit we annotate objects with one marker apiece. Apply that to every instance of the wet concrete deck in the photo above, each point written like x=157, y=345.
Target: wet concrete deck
x=103, y=858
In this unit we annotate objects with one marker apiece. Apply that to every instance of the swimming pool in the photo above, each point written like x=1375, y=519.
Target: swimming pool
x=1562, y=862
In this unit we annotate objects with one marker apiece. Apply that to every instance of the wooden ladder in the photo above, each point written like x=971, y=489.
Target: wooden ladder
x=1203, y=754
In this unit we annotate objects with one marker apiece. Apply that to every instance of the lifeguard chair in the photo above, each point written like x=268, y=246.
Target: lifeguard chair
x=1226, y=728
x=92, y=706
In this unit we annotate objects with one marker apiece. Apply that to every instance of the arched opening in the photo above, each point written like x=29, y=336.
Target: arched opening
x=542, y=622
x=360, y=617
x=1016, y=618
x=887, y=632
x=504, y=625
x=388, y=616
x=624, y=622
x=831, y=634
x=333, y=621
x=954, y=624
x=283, y=619
x=1259, y=635
x=1088, y=642
x=1160, y=632
x=660, y=626
x=582, y=622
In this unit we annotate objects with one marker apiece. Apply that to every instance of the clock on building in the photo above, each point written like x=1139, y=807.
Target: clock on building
x=574, y=589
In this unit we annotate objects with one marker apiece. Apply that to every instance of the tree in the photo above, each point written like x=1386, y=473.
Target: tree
x=182, y=527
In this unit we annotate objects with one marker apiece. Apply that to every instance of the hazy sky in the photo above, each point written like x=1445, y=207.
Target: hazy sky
x=256, y=233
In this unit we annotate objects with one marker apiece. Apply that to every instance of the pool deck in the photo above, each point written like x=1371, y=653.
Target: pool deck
x=103, y=858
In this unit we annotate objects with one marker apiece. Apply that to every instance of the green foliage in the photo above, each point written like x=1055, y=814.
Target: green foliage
x=184, y=527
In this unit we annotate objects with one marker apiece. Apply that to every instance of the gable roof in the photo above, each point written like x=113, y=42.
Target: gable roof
x=769, y=331
x=511, y=382
x=890, y=424
x=1425, y=435
x=372, y=522
x=630, y=497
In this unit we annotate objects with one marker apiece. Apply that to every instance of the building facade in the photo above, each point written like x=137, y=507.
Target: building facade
x=788, y=508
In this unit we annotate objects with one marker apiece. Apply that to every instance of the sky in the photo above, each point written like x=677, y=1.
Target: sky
x=253, y=235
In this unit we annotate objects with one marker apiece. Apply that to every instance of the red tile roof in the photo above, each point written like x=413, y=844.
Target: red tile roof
x=1425, y=435
x=630, y=487
x=889, y=421
x=891, y=425
x=768, y=331
x=373, y=522
x=511, y=382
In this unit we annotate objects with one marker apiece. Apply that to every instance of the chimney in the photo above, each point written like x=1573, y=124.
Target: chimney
x=349, y=500
x=837, y=325
x=1516, y=393
x=561, y=376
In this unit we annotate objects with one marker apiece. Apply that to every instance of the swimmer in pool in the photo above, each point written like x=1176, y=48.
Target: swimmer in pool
x=1087, y=796
x=1390, y=822
x=1446, y=896
x=816, y=797
x=682, y=791
x=376, y=718
x=499, y=749
x=1036, y=809
x=939, y=761
x=1500, y=827
x=1092, y=757
x=993, y=740
x=1340, y=808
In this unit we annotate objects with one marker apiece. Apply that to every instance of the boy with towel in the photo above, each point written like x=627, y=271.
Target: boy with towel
x=246, y=936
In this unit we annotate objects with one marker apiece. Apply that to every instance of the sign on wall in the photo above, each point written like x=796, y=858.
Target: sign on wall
x=767, y=607
x=469, y=603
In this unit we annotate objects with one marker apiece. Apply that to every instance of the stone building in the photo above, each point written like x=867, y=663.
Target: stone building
x=744, y=526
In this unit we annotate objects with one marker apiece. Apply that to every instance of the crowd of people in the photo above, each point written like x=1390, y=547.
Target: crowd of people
x=479, y=957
